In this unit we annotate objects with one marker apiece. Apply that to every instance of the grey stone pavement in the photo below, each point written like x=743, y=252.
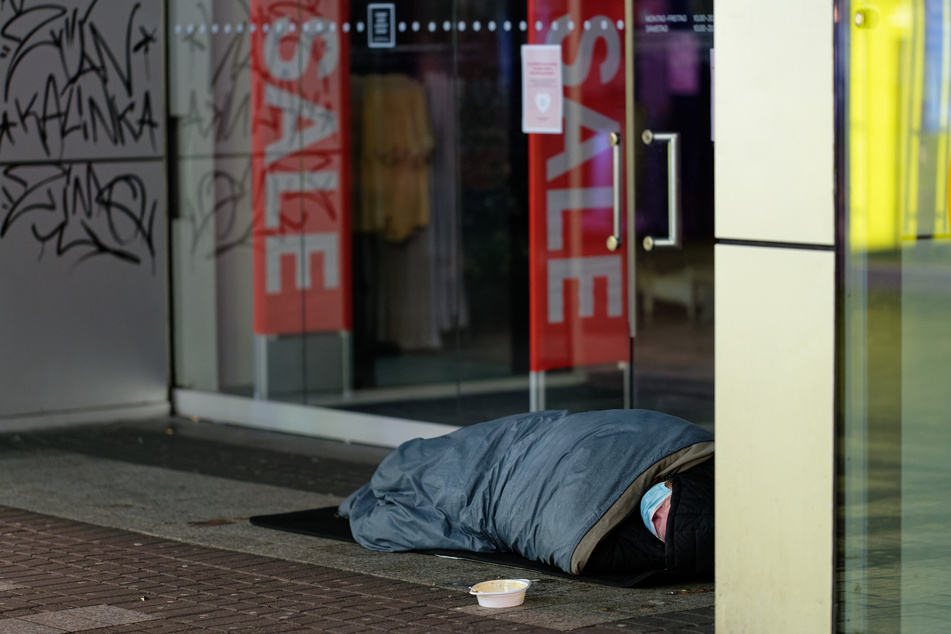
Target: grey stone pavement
x=143, y=527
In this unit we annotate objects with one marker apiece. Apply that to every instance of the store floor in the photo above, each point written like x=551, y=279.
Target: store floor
x=144, y=527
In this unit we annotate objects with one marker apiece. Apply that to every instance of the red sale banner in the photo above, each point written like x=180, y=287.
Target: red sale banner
x=578, y=287
x=300, y=166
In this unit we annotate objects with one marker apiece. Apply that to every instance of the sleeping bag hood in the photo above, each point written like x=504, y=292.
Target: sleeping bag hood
x=546, y=485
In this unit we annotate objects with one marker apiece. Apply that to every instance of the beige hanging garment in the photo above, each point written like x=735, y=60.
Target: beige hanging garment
x=397, y=144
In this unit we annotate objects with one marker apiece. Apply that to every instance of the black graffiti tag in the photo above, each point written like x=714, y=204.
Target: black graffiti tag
x=69, y=79
x=72, y=210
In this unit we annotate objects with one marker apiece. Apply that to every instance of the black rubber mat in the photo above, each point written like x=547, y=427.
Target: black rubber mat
x=324, y=522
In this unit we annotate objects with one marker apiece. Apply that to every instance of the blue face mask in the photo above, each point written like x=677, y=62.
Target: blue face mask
x=651, y=501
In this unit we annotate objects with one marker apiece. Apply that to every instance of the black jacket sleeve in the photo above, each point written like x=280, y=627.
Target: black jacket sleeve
x=690, y=523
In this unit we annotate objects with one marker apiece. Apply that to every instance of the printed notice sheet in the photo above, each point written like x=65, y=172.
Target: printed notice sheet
x=542, y=105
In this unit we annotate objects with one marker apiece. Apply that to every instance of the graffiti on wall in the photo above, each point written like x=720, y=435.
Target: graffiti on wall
x=81, y=209
x=81, y=133
x=78, y=75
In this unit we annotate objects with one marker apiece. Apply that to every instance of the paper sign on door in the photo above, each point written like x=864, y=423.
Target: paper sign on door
x=542, y=107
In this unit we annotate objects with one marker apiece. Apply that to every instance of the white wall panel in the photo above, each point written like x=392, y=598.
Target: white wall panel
x=775, y=336
x=83, y=315
x=83, y=293
x=774, y=121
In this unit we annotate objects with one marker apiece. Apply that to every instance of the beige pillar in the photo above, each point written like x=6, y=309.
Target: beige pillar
x=775, y=318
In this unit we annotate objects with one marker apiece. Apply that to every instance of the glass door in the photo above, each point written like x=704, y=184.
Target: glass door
x=438, y=209
x=349, y=220
x=622, y=208
x=573, y=74
x=361, y=220
x=894, y=439
x=672, y=137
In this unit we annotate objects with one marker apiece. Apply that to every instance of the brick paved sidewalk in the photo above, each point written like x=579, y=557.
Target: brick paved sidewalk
x=59, y=575
x=62, y=576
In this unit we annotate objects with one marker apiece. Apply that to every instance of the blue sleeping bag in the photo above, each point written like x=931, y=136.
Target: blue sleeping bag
x=546, y=485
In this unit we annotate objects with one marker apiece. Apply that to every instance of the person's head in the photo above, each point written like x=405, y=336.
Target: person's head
x=680, y=513
x=655, y=506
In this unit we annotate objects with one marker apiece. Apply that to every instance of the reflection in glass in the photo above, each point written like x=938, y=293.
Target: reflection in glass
x=313, y=151
x=427, y=169
x=439, y=218
x=210, y=194
x=894, y=548
x=673, y=87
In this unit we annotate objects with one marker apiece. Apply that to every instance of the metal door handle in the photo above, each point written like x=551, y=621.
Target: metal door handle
x=614, y=240
x=673, y=238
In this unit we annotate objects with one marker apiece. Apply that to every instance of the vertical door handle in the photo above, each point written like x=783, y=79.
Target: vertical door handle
x=614, y=240
x=673, y=238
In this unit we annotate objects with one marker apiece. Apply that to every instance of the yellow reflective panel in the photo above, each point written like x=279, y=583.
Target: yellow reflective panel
x=878, y=33
x=943, y=184
x=946, y=217
x=898, y=119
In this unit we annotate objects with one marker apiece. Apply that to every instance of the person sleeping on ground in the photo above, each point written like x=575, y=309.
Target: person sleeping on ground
x=601, y=492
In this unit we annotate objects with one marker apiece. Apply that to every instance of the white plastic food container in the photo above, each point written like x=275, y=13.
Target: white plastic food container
x=501, y=593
